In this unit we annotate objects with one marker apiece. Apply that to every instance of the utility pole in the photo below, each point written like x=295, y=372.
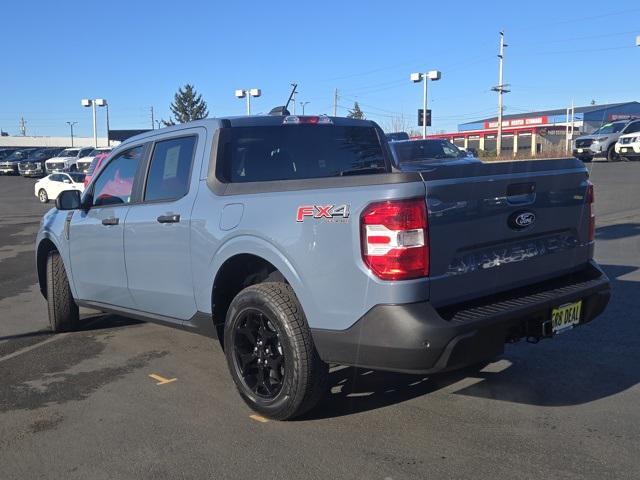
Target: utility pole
x=566, y=132
x=153, y=125
x=500, y=88
x=23, y=127
x=71, y=124
x=573, y=116
x=335, y=103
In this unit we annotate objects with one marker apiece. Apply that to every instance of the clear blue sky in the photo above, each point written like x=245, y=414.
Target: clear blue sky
x=136, y=54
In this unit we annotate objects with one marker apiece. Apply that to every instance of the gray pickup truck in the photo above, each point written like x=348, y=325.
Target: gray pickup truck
x=297, y=242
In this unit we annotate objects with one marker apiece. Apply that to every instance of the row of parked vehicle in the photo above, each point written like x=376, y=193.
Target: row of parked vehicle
x=615, y=141
x=60, y=168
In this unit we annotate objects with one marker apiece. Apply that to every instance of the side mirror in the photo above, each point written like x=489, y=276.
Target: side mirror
x=68, y=200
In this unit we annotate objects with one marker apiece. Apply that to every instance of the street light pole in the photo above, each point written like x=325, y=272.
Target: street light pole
x=71, y=124
x=424, y=108
x=303, y=104
x=248, y=93
x=432, y=75
x=100, y=102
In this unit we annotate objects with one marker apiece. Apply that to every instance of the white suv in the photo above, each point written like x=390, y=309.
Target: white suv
x=628, y=146
x=67, y=160
x=84, y=163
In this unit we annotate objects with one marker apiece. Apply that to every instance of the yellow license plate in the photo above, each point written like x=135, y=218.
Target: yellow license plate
x=566, y=316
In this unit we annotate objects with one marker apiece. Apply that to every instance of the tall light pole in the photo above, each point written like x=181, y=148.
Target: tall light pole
x=248, y=93
x=93, y=103
x=71, y=124
x=90, y=103
x=101, y=102
x=303, y=104
x=159, y=123
x=501, y=89
x=424, y=77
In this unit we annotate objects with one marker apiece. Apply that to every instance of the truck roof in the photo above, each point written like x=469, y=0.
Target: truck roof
x=244, y=121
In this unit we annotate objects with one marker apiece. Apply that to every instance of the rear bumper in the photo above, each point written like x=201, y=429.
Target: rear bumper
x=418, y=338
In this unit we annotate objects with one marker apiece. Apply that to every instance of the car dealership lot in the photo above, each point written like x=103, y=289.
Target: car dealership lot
x=83, y=404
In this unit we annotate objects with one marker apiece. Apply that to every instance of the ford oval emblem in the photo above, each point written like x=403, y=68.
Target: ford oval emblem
x=520, y=220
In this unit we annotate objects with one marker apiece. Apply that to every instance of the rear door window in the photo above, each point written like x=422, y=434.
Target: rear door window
x=289, y=152
x=170, y=169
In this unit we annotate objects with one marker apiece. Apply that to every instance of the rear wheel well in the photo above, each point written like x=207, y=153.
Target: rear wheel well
x=44, y=247
x=236, y=274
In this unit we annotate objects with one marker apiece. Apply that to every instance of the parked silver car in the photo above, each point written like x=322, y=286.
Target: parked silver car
x=601, y=143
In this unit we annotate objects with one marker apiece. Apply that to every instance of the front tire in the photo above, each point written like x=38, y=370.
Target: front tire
x=270, y=352
x=612, y=156
x=42, y=196
x=62, y=308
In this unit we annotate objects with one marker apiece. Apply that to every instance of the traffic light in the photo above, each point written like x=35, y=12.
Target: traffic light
x=420, y=110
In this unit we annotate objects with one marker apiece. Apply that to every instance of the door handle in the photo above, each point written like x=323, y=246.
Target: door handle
x=111, y=221
x=168, y=218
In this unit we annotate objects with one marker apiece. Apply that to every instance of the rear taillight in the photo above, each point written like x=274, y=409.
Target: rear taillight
x=592, y=217
x=394, y=239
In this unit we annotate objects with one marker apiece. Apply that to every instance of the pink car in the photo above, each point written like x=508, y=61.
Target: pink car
x=94, y=167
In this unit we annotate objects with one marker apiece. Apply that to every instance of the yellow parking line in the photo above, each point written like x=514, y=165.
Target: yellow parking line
x=258, y=418
x=162, y=380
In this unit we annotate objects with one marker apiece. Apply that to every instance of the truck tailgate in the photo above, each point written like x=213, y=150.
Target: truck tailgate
x=503, y=225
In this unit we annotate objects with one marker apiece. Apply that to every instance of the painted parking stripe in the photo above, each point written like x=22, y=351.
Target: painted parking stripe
x=32, y=347
x=162, y=380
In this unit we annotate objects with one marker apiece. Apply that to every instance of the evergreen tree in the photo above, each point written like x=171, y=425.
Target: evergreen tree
x=355, y=112
x=187, y=106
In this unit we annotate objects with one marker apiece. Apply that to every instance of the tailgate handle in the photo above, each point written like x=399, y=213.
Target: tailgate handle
x=521, y=192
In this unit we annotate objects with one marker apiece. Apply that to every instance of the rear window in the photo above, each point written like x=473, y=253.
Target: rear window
x=429, y=150
x=290, y=152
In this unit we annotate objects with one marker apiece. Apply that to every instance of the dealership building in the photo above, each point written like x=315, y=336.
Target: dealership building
x=537, y=132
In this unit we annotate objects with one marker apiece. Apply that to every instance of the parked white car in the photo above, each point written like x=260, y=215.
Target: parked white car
x=49, y=187
x=83, y=163
x=628, y=146
x=67, y=160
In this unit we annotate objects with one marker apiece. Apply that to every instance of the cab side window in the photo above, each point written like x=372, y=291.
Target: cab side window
x=170, y=169
x=115, y=183
x=633, y=128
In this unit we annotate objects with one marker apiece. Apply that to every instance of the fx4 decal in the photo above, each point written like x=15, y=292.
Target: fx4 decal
x=332, y=213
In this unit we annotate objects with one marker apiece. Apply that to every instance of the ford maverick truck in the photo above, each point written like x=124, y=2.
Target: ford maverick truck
x=298, y=242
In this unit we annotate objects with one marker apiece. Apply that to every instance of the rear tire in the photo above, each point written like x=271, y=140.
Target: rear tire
x=612, y=156
x=62, y=308
x=270, y=352
x=42, y=196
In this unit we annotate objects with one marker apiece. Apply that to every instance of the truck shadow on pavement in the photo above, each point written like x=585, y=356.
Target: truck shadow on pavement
x=592, y=362
x=617, y=231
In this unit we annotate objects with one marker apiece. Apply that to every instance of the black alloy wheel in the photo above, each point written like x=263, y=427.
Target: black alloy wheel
x=258, y=355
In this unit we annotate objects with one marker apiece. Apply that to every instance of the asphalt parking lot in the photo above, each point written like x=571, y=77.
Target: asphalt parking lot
x=126, y=399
